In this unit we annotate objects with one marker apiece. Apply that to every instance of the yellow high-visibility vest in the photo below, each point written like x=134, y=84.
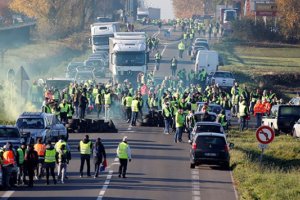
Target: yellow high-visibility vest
x=50, y=155
x=85, y=148
x=122, y=153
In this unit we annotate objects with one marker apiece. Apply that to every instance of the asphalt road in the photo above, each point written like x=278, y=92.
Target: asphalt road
x=160, y=168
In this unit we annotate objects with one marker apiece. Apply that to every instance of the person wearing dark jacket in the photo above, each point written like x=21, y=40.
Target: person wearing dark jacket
x=31, y=161
x=85, y=148
x=99, y=155
x=50, y=160
x=83, y=102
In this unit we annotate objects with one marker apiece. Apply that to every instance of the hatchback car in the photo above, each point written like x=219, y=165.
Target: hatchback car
x=210, y=148
x=10, y=134
x=34, y=125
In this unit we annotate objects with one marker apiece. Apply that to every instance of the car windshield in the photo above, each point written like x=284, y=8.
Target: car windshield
x=290, y=110
x=208, y=128
x=9, y=133
x=101, y=40
x=205, y=117
x=211, y=108
x=223, y=75
x=130, y=58
x=30, y=123
x=210, y=142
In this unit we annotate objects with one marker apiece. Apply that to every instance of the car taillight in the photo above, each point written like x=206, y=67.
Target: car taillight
x=226, y=149
x=194, y=146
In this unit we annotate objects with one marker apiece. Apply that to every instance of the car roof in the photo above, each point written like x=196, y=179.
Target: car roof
x=210, y=113
x=223, y=72
x=34, y=114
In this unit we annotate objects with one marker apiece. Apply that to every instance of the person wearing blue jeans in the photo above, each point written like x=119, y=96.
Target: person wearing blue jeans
x=179, y=121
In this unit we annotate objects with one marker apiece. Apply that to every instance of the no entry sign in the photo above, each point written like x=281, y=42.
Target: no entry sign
x=265, y=134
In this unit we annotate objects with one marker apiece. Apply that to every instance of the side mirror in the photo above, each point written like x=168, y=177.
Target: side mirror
x=231, y=145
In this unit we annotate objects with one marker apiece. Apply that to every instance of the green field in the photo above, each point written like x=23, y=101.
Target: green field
x=277, y=178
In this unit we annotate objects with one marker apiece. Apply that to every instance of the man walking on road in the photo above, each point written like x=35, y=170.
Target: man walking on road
x=179, y=121
x=85, y=147
x=181, y=48
x=124, y=154
x=174, y=66
x=99, y=155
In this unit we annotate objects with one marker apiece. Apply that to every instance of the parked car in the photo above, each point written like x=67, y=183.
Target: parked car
x=282, y=118
x=207, y=127
x=201, y=44
x=210, y=148
x=34, y=125
x=296, y=129
x=295, y=101
x=200, y=40
x=224, y=79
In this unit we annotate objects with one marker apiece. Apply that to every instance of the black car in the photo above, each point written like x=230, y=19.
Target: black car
x=210, y=148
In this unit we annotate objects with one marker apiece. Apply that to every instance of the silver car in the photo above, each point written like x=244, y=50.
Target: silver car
x=34, y=125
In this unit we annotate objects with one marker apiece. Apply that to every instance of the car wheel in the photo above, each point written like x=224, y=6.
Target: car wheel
x=225, y=165
x=192, y=166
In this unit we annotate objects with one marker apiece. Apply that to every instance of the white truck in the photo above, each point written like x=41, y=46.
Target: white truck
x=100, y=34
x=127, y=55
x=208, y=60
x=152, y=13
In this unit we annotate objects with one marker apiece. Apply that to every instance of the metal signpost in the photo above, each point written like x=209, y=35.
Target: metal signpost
x=264, y=135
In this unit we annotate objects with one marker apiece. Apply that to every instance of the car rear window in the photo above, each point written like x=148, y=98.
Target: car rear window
x=9, y=133
x=30, y=123
x=223, y=75
x=208, y=128
x=207, y=142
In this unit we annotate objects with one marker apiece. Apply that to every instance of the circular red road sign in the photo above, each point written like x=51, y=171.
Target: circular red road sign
x=265, y=134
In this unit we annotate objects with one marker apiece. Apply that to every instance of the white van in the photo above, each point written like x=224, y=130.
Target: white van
x=208, y=60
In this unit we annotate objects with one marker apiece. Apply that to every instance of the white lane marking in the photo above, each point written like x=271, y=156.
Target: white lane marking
x=235, y=191
x=163, y=51
x=7, y=195
x=105, y=186
x=195, y=184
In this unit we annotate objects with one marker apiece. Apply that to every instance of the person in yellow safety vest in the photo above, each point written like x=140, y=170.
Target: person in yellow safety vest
x=135, y=111
x=56, y=95
x=62, y=159
x=124, y=154
x=63, y=111
x=50, y=155
x=46, y=108
x=20, y=163
x=157, y=57
x=99, y=102
x=185, y=36
x=85, y=148
x=167, y=114
x=8, y=164
x=179, y=121
x=55, y=110
x=107, y=104
x=127, y=104
x=70, y=110
x=191, y=36
x=181, y=48
x=222, y=119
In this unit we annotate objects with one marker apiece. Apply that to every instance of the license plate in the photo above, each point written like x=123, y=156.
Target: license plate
x=210, y=154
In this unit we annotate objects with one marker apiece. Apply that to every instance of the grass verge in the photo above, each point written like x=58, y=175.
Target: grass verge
x=276, y=178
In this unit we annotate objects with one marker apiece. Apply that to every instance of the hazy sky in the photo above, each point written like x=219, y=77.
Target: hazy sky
x=165, y=6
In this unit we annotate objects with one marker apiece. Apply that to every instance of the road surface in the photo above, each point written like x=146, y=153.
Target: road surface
x=160, y=168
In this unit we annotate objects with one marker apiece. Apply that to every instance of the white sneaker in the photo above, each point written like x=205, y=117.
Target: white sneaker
x=36, y=178
x=190, y=141
x=62, y=182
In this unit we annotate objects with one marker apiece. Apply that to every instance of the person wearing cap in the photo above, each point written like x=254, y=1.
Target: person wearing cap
x=85, y=148
x=8, y=164
x=124, y=154
x=99, y=155
x=20, y=157
x=50, y=160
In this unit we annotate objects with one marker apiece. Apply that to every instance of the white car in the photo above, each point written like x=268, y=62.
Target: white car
x=207, y=127
x=296, y=129
x=224, y=79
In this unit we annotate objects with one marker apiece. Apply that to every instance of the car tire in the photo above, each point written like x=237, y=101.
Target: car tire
x=193, y=165
x=225, y=165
